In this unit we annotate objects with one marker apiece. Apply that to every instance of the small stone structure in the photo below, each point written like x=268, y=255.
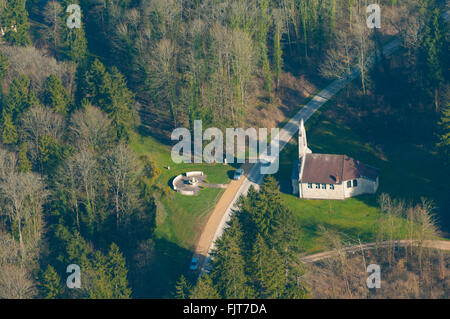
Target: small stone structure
x=191, y=183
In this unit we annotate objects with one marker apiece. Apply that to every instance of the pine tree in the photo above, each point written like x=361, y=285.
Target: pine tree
x=75, y=48
x=265, y=206
x=20, y=97
x=229, y=266
x=108, y=90
x=118, y=273
x=56, y=96
x=182, y=288
x=277, y=54
x=93, y=81
x=286, y=233
x=432, y=56
x=74, y=44
x=7, y=128
x=267, y=270
x=4, y=65
x=51, y=287
x=14, y=18
x=118, y=102
x=51, y=153
x=105, y=276
x=444, y=135
x=204, y=289
x=23, y=162
x=262, y=28
x=286, y=239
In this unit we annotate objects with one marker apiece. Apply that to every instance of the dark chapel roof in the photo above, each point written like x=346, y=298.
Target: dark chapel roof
x=334, y=169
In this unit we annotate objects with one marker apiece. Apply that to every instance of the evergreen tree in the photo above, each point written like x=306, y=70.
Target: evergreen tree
x=118, y=272
x=286, y=233
x=265, y=205
x=433, y=56
x=444, y=135
x=277, y=54
x=4, y=65
x=23, y=161
x=229, y=267
x=118, y=102
x=20, y=96
x=108, y=90
x=75, y=48
x=7, y=128
x=204, y=289
x=182, y=288
x=105, y=276
x=261, y=31
x=267, y=270
x=74, y=44
x=51, y=153
x=56, y=96
x=93, y=81
x=14, y=18
x=51, y=287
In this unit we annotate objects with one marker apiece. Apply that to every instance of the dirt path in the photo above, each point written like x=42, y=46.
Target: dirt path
x=218, y=215
x=436, y=244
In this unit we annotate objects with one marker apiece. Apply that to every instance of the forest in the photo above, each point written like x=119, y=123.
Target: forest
x=73, y=190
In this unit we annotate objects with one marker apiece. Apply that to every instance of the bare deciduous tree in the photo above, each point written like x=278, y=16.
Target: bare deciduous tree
x=23, y=195
x=242, y=65
x=91, y=129
x=121, y=169
x=38, y=122
x=8, y=162
x=16, y=283
x=37, y=66
x=87, y=173
x=52, y=16
x=339, y=58
x=162, y=75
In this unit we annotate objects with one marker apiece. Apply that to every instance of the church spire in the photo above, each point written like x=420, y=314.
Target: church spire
x=302, y=142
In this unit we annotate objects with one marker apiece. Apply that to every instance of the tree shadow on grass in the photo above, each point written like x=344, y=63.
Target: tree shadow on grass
x=169, y=261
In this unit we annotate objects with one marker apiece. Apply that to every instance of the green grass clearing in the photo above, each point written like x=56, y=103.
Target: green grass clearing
x=181, y=218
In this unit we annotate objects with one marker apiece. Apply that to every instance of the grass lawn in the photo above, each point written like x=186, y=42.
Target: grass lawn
x=180, y=218
x=353, y=218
